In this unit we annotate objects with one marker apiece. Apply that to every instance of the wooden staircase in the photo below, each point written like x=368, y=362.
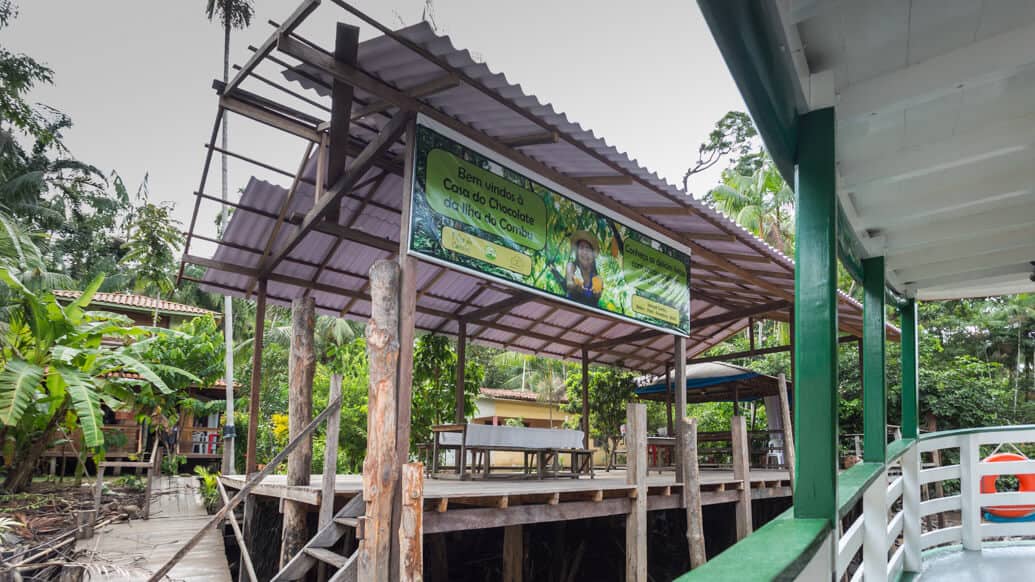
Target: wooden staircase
x=320, y=550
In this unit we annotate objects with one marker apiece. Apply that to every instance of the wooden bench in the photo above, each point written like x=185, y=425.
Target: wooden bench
x=541, y=449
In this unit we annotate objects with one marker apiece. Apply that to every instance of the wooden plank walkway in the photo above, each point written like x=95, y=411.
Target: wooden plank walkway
x=131, y=551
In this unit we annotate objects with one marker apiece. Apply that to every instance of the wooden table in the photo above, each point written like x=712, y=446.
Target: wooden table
x=541, y=455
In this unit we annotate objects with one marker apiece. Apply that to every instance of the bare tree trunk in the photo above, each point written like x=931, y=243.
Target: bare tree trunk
x=381, y=466
x=301, y=368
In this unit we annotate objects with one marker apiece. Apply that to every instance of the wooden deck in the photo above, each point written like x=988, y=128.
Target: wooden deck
x=451, y=505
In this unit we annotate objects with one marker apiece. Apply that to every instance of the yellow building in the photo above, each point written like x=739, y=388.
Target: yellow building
x=496, y=406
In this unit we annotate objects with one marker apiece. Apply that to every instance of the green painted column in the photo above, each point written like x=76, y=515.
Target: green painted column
x=815, y=320
x=875, y=390
x=910, y=371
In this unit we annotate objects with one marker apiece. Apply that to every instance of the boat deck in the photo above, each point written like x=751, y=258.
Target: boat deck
x=451, y=505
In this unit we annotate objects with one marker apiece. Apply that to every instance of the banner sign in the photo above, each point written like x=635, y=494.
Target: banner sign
x=476, y=212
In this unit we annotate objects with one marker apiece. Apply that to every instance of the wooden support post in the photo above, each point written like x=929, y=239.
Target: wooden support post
x=411, y=527
x=679, y=387
x=301, y=368
x=585, y=398
x=668, y=400
x=788, y=428
x=330, y=456
x=636, y=475
x=461, y=364
x=742, y=472
x=406, y=290
x=815, y=323
x=692, y=492
x=381, y=466
x=513, y=553
x=250, y=465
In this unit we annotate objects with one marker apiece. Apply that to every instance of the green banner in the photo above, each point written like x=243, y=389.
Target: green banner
x=482, y=215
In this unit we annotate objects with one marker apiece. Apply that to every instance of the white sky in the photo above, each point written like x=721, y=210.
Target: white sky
x=135, y=76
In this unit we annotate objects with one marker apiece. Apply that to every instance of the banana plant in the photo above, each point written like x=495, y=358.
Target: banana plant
x=60, y=363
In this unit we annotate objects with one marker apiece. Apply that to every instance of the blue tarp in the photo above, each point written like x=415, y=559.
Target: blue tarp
x=692, y=383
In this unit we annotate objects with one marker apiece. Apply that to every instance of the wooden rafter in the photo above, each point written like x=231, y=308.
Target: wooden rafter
x=332, y=198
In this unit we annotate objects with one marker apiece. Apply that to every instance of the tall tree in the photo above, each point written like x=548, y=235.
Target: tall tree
x=733, y=137
x=232, y=14
x=152, y=249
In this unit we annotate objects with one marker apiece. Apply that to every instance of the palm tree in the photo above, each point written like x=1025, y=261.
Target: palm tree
x=232, y=14
x=760, y=202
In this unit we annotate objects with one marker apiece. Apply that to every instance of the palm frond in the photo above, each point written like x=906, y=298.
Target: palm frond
x=19, y=381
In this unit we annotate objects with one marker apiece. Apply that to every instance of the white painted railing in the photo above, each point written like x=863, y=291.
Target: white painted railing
x=971, y=446
x=887, y=525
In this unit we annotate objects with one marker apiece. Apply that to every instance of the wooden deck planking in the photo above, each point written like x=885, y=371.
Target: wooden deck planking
x=434, y=489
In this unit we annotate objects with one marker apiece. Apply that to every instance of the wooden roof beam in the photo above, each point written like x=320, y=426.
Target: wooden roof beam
x=532, y=139
x=437, y=85
x=304, y=9
x=499, y=306
x=742, y=313
x=331, y=199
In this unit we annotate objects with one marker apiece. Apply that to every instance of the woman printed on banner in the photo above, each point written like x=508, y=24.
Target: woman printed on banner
x=582, y=280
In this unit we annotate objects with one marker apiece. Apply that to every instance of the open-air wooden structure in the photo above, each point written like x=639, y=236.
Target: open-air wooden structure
x=317, y=238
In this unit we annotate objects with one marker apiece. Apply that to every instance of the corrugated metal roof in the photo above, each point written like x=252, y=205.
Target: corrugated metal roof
x=730, y=270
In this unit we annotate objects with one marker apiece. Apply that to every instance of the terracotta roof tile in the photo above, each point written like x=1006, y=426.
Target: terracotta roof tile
x=503, y=394
x=136, y=301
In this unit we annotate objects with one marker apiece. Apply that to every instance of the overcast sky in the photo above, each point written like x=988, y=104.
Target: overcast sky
x=135, y=76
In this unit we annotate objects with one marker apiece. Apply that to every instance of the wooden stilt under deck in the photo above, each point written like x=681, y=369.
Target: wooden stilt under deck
x=636, y=475
x=741, y=471
x=513, y=553
x=679, y=387
x=692, y=493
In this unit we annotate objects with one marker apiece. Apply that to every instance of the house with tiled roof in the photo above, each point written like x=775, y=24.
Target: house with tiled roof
x=140, y=308
x=197, y=438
